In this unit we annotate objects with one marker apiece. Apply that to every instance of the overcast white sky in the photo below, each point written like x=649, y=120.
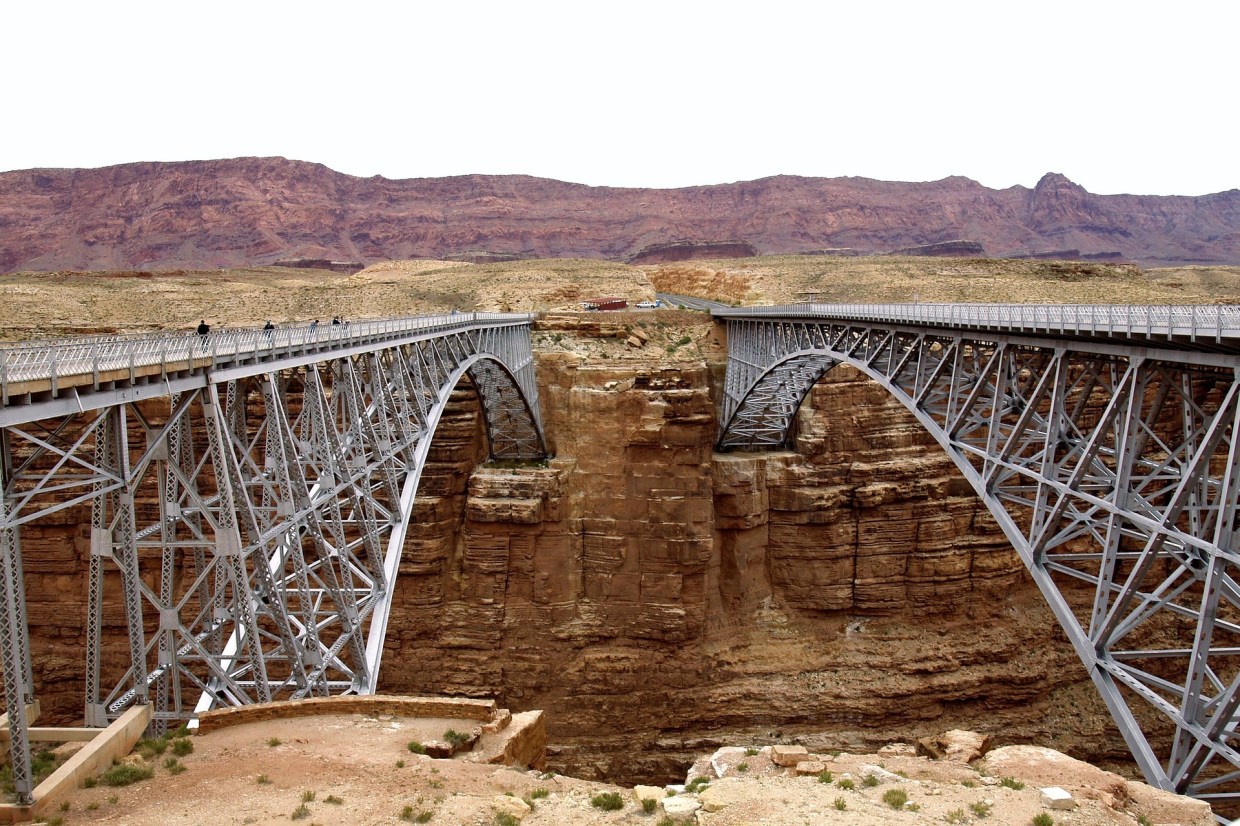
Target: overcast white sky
x=1136, y=97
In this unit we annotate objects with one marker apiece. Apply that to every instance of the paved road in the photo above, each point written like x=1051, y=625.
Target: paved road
x=691, y=303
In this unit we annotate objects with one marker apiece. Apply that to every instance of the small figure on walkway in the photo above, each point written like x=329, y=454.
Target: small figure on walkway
x=267, y=330
x=314, y=328
x=335, y=320
x=203, y=330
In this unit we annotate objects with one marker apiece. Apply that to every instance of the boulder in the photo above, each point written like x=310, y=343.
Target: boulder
x=788, y=756
x=806, y=767
x=514, y=806
x=1057, y=799
x=956, y=745
x=1167, y=807
x=681, y=808
x=648, y=793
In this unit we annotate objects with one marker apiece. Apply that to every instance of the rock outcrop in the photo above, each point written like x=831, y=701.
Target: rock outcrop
x=249, y=211
x=693, y=250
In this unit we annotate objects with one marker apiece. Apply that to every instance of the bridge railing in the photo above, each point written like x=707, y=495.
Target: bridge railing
x=100, y=355
x=1216, y=321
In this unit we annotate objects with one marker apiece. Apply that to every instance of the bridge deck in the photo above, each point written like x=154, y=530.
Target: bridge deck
x=1215, y=326
x=35, y=372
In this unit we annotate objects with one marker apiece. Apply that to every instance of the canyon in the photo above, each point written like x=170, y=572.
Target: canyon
x=259, y=211
x=658, y=599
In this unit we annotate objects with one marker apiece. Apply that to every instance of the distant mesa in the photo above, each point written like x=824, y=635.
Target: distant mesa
x=349, y=267
x=946, y=249
x=252, y=211
x=692, y=251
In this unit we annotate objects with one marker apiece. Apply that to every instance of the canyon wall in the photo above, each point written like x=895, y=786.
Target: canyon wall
x=658, y=599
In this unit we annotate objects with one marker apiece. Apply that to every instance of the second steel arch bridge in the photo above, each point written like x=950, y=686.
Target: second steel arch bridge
x=1103, y=440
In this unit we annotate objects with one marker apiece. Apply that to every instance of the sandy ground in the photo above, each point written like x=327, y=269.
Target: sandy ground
x=350, y=769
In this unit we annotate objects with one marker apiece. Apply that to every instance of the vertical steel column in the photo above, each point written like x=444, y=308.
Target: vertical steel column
x=14, y=639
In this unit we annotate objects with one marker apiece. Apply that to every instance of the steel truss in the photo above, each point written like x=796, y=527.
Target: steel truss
x=1113, y=469
x=252, y=521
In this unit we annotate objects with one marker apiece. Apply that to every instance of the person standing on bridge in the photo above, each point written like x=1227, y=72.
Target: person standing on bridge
x=268, y=328
x=204, y=330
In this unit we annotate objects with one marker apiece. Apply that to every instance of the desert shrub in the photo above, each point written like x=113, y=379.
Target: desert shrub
x=981, y=808
x=607, y=801
x=697, y=784
x=539, y=794
x=841, y=803
x=423, y=817
x=505, y=819
x=742, y=767
x=1011, y=783
x=454, y=737
x=307, y=796
x=846, y=784
x=1043, y=819
x=274, y=741
x=825, y=776
x=332, y=799
x=416, y=747
x=750, y=752
x=262, y=780
x=152, y=748
x=124, y=774
x=649, y=804
x=300, y=813
x=182, y=747
x=957, y=816
x=869, y=781
x=895, y=798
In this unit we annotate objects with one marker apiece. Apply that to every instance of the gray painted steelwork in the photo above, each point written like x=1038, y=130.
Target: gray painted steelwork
x=1104, y=443
x=250, y=493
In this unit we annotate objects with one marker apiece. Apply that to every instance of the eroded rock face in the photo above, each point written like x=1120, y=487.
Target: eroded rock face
x=671, y=599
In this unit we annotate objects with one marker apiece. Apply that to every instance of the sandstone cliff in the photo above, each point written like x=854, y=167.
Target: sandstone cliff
x=250, y=211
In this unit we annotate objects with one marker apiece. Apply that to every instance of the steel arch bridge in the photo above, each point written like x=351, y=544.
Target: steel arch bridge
x=251, y=490
x=1104, y=442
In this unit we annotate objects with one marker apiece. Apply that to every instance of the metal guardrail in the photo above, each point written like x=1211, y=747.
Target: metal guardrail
x=1214, y=321
x=97, y=355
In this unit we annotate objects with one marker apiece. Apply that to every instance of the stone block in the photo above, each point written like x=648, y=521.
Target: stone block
x=788, y=756
x=808, y=767
x=512, y=806
x=681, y=808
x=1057, y=799
x=648, y=793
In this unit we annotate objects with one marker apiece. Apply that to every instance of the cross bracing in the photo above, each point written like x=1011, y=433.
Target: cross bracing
x=249, y=496
x=1104, y=442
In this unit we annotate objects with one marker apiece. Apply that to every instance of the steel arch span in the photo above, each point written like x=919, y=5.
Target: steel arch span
x=249, y=502
x=1109, y=460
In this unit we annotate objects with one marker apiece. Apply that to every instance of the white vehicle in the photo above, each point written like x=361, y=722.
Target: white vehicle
x=649, y=305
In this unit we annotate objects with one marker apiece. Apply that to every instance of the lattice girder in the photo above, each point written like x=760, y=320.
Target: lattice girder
x=254, y=519
x=1109, y=466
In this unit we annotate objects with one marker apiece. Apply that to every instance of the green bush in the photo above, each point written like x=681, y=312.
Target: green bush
x=846, y=784
x=1011, y=783
x=841, y=803
x=957, y=816
x=182, y=747
x=869, y=781
x=505, y=819
x=607, y=801
x=981, y=809
x=416, y=747
x=300, y=813
x=649, y=804
x=895, y=798
x=742, y=767
x=1043, y=819
x=423, y=817
x=825, y=776
x=454, y=737
x=125, y=774
x=539, y=794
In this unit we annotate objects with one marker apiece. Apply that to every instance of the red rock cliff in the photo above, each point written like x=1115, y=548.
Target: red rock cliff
x=259, y=210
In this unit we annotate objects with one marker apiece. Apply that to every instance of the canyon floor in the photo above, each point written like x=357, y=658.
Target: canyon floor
x=341, y=770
